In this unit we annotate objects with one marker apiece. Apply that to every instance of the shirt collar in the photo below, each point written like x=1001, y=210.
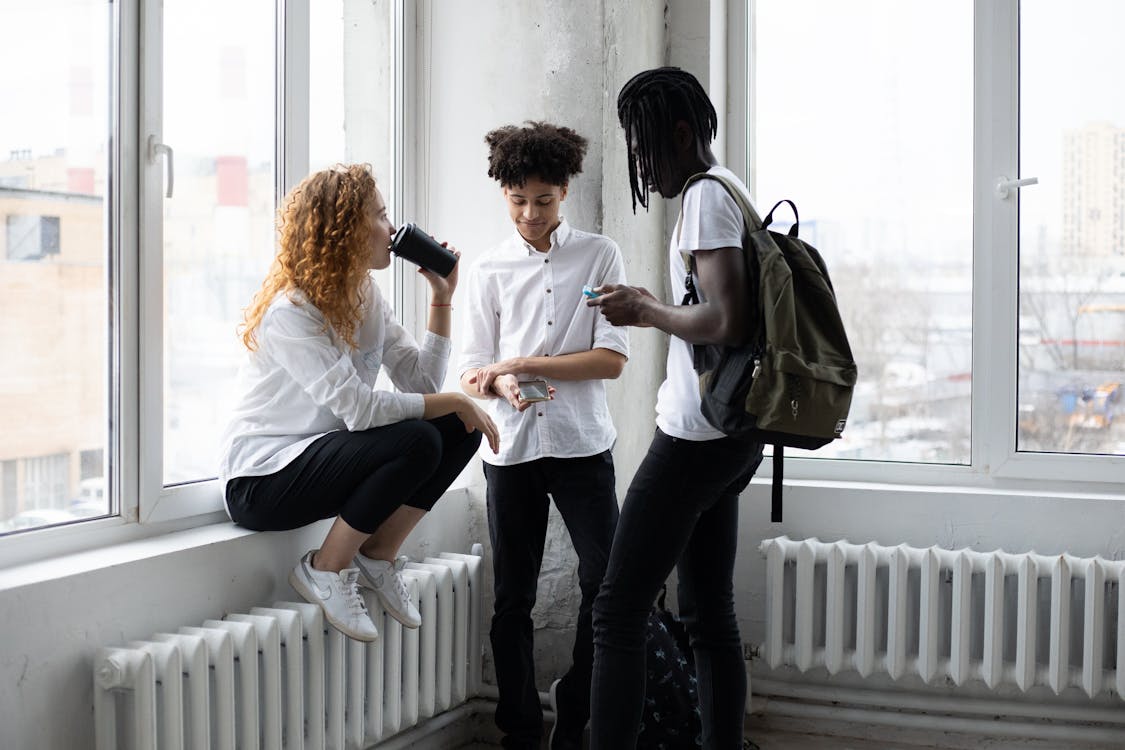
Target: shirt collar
x=558, y=238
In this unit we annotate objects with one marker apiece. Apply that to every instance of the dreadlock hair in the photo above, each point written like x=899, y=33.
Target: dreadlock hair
x=649, y=106
x=538, y=149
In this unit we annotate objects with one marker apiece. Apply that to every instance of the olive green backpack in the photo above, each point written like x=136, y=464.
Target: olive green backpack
x=791, y=384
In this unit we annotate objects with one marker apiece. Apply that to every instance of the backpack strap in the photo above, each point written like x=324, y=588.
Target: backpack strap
x=778, y=476
x=751, y=222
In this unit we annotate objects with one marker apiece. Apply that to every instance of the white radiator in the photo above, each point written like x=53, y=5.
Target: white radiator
x=938, y=613
x=281, y=677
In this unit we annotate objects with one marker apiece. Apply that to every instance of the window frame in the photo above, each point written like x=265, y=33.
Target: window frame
x=994, y=460
x=140, y=503
x=160, y=502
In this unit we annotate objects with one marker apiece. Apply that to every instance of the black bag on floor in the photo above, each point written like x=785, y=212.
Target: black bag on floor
x=671, y=714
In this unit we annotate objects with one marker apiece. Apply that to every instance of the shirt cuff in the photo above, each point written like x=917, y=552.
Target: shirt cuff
x=413, y=405
x=437, y=345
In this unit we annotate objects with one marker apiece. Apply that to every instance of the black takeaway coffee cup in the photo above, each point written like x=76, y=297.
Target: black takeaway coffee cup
x=416, y=246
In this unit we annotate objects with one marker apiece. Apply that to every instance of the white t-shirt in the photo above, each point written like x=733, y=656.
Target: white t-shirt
x=303, y=381
x=528, y=303
x=709, y=219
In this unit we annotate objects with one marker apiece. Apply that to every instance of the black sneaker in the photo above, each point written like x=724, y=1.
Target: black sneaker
x=559, y=739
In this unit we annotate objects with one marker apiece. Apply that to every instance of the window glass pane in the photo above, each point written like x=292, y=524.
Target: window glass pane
x=867, y=125
x=219, y=118
x=54, y=329
x=1072, y=228
x=351, y=101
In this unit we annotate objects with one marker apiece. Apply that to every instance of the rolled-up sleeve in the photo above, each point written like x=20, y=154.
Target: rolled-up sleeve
x=481, y=324
x=413, y=368
x=607, y=335
x=298, y=341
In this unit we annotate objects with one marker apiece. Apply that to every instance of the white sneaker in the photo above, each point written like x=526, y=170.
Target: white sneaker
x=384, y=579
x=337, y=594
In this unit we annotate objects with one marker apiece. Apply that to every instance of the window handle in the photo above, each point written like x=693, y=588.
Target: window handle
x=155, y=151
x=1004, y=186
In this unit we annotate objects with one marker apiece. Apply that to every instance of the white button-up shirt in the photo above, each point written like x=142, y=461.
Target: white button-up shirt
x=303, y=381
x=527, y=303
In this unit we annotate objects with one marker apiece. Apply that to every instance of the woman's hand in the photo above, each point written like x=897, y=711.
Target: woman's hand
x=475, y=418
x=486, y=375
x=623, y=305
x=442, y=287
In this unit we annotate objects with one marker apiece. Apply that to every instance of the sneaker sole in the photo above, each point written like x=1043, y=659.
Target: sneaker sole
x=366, y=583
x=299, y=586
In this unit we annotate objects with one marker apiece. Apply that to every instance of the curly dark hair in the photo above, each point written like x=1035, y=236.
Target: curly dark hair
x=548, y=152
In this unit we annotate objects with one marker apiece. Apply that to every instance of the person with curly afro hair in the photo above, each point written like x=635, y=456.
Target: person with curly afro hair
x=313, y=434
x=528, y=322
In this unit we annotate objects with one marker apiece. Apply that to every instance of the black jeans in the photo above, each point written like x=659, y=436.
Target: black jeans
x=583, y=491
x=363, y=476
x=681, y=511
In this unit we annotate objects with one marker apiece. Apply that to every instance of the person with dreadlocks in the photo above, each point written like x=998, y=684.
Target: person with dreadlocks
x=681, y=510
x=527, y=321
x=314, y=435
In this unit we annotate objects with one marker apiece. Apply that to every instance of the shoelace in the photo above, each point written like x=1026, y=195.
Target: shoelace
x=400, y=585
x=350, y=589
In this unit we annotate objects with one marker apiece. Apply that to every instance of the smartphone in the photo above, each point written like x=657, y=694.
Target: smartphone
x=589, y=292
x=534, y=390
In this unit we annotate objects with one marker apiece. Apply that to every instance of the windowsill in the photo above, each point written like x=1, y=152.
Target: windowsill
x=110, y=542
x=1096, y=493
x=113, y=554
x=62, y=552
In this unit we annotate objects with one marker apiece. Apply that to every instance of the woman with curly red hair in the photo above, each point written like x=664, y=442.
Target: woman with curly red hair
x=314, y=436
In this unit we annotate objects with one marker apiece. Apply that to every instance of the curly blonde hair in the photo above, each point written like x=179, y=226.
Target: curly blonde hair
x=324, y=239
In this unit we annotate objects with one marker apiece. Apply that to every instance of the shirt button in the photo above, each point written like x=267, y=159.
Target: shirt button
x=539, y=413
x=548, y=291
x=550, y=322
x=546, y=260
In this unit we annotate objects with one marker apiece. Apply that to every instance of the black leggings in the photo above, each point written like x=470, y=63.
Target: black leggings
x=363, y=477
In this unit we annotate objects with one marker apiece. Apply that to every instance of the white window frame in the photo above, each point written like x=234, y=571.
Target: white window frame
x=160, y=502
x=142, y=504
x=994, y=461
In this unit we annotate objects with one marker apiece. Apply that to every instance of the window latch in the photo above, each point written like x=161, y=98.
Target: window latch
x=1004, y=186
x=156, y=149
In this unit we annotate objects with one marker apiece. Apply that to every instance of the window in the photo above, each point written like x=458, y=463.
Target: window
x=352, y=117
x=32, y=237
x=219, y=119
x=987, y=317
x=1072, y=247
x=54, y=329
x=143, y=167
x=243, y=124
x=876, y=151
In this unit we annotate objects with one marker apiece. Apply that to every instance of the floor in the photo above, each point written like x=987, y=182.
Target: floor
x=774, y=731
x=783, y=739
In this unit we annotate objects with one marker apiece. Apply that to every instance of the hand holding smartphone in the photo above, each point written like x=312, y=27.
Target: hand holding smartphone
x=534, y=390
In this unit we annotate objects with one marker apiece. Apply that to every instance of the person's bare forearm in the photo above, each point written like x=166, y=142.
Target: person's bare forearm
x=440, y=404
x=469, y=385
x=596, y=364
x=722, y=319
x=703, y=323
x=440, y=320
